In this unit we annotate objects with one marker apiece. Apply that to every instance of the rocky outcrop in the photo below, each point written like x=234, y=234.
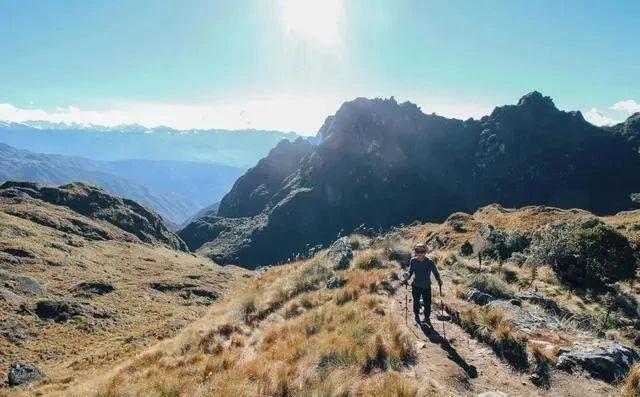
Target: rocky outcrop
x=340, y=253
x=478, y=297
x=382, y=163
x=63, y=310
x=609, y=363
x=89, y=288
x=629, y=130
x=22, y=285
x=96, y=203
x=23, y=374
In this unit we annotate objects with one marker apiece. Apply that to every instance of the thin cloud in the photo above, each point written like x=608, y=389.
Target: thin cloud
x=630, y=106
x=300, y=114
x=596, y=118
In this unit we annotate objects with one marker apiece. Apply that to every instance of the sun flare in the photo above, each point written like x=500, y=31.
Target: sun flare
x=319, y=22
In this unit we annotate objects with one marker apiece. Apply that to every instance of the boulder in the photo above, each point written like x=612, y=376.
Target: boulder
x=9, y=297
x=523, y=319
x=63, y=310
x=94, y=288
x=340, y=253
x=478, y=297
x=207, y=294
x=548, y=304
x=19, y=252
x=15, y=331
x=609, y=363
x=335, y=282
x=168, y=286
x=30, y=286
x=22, y=374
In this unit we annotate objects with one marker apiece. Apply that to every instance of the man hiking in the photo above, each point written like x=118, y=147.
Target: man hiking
x=421, y=267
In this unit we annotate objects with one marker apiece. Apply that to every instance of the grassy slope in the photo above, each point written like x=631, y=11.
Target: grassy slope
x=283, y=333
x=141, y=316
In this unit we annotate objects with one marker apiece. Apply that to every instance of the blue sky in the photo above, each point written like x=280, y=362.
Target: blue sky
x=287, y=64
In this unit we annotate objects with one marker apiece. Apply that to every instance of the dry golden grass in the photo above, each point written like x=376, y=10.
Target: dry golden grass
x=265, y=341
x=282, y=333
x=141, y=315
x=631, y=385
x=369, y=259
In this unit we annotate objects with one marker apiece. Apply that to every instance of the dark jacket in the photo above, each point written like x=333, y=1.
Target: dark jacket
x=422, y=272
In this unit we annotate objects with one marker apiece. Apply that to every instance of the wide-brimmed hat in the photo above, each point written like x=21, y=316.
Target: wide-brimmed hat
x=420, y=248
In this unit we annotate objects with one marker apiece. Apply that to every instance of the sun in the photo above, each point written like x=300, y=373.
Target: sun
x=316, y=21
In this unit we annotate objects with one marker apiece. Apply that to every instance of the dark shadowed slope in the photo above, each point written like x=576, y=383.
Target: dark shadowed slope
x=382, y=163
x=630, y=131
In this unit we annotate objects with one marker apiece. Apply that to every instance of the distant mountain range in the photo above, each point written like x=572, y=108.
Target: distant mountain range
x=242, y=148
x=175, y=189
x=383, y=163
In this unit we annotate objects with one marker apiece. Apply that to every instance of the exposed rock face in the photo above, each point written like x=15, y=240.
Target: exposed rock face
x=340, y=253
x=96, y=203
x=381, y=163
x=252, y=193
x=22, y=374
x=609, y=363
x=630, y=131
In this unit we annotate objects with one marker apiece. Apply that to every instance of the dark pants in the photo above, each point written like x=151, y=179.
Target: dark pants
x=425, y=293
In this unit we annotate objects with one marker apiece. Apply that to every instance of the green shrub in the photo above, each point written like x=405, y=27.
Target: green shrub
x=584, y=253
x=501, y=244
x=367, y=260
x=492, y=285
x=466, y=249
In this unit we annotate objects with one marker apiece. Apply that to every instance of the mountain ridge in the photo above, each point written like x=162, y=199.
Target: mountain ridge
x=175, y=189
x=382, y=163
x=94, y=203
x=241, y=148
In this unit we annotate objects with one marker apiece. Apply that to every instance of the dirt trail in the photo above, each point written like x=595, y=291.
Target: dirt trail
x=466, y=367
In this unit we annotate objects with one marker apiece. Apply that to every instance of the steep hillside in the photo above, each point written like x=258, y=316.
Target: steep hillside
x=241, y=148
x=630, y=131
x=127, y=215
x=335, y=323
x=381, y=163
x=175, y=189
x=254, y=191
x=78, y=294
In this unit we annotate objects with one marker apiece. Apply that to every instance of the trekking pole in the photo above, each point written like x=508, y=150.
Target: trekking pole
x=406, y=309
x=444, y=330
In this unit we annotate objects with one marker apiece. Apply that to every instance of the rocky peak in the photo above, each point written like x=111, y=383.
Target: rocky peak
x=535, y=100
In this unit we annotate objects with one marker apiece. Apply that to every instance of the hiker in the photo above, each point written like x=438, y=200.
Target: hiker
x=421, y=267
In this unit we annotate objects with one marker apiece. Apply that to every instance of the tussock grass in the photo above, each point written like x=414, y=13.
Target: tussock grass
x=631, y=385
x=284, y=334
x=491, y=326
x=358, y=241
x=492, y=285
x=369, y=259
x=543, y=356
